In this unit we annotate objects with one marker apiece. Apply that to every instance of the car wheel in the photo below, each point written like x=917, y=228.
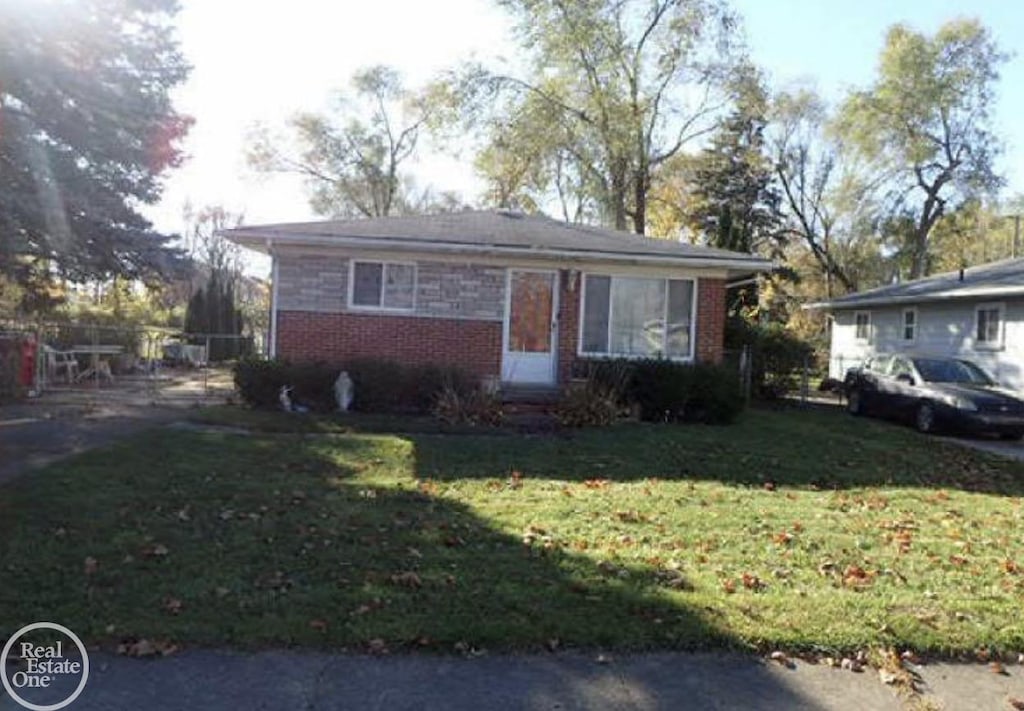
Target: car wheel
x=924, y=420
x=854, y=403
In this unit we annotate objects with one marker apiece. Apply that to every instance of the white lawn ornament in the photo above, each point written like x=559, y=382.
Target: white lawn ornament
x=344, y=391
x=284, y=397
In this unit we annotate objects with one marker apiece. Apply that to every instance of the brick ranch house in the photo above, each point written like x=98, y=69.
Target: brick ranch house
x=510, y=297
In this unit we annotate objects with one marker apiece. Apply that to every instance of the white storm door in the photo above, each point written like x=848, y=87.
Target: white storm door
x=531, y=335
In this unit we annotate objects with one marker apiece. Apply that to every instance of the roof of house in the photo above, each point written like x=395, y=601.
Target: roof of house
x=498, y=233
x=986, y=281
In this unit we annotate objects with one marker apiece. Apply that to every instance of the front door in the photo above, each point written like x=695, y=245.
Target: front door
x=530, y=328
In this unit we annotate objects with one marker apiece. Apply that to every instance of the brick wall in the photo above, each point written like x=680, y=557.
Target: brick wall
x=568, y=325
x=336, y=337
x=710, y=320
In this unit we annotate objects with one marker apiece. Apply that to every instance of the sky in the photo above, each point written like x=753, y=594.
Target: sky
x=260, y=62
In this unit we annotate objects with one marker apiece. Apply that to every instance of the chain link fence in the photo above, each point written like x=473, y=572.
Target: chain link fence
x=152, y=363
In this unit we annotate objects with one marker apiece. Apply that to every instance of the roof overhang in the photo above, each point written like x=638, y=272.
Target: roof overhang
x=988, y=292
x=264, y=240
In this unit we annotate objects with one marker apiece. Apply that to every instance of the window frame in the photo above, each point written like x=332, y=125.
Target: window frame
x=903, y=324
x=612, y=276
x=870, y=323
x=999, y=343
x=383, y=282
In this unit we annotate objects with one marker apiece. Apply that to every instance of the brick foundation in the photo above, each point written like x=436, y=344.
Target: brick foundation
x=336, y=337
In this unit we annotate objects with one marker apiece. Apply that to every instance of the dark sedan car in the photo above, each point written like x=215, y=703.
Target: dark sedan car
x=934, y=393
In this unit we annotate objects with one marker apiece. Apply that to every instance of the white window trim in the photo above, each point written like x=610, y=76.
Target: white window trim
x=856, y=338
x=383, y=262
x=903, y=324
x=629, y=356
x=998, y=345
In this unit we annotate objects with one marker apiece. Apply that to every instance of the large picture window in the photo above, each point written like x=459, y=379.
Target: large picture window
x=637, y=317
x=383, y=285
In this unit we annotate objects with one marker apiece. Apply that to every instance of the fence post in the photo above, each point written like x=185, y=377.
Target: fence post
x=805, y=383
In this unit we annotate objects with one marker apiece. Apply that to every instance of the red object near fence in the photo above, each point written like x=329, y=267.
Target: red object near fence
x=29, y=347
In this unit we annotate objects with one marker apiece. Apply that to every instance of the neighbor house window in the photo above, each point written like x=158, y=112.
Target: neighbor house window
x=909, y=324
x=988, y=326
x=862, y=326
x=637, y=316
x=382, y=285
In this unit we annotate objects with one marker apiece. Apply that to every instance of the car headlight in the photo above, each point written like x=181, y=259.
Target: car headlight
x=962, y=403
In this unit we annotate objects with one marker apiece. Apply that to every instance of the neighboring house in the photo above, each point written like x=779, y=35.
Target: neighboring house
x=975, y=313
x=507, y=296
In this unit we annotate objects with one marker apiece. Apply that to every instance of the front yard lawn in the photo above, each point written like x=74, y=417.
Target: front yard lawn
x=797, y=530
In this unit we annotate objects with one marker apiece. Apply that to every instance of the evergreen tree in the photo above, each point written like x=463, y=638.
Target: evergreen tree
x=86, y=131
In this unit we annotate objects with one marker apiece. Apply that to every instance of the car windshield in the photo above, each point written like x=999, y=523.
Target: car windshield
x=941, y=370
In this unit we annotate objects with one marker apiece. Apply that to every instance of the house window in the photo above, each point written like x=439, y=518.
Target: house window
x=909, y=325
x=637, y=317
x=382, y=285
x=988, y=326
x=862, y=326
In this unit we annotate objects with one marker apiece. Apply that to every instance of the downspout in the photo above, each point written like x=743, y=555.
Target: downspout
x=273, y=300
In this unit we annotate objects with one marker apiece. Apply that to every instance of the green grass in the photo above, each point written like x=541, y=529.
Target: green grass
x=848, y=533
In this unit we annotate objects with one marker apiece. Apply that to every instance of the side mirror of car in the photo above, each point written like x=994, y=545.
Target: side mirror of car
x=906, y=378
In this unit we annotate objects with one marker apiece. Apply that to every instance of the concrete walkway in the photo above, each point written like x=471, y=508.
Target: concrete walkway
x=553, y=682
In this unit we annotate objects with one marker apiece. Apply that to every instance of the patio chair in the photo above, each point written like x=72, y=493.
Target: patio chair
x=58, y=361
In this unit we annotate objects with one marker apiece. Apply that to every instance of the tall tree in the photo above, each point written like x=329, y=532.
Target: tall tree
x=614, y=89
x=734, y=202
x=86, y=131
x=353, y=158
x=925, y=124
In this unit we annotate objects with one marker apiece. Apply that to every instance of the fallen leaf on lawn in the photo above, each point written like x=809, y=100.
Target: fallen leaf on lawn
x=958, y=560
x=414, y=553
x=1011, y=567
x=782, y=538
x=183, y=515
x=997, y=668
x=157, y=550
x=596, y=483
x=729, y=586
x=856, y=576
x=515, y=480
x=318, y=625
x=769, y=486
x=91, y=566
x=407, y=579
x=752, y=582
x=172, y=605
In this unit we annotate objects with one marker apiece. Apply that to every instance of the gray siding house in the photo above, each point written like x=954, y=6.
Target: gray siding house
x=975, y=313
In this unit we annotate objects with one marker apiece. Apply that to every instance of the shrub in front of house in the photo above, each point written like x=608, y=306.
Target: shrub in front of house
x=259, y=382
x=379, y=386
x=591, y=403
x=662, y=390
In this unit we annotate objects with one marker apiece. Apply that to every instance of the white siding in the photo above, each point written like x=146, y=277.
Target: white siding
x=942, y=329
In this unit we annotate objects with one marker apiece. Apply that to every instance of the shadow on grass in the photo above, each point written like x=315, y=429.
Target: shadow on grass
x=270, y=543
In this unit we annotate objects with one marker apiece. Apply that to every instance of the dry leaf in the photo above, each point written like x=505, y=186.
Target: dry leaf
x=172, y=605
x=91, y=566
x=318, y=625
x=377, y=646
x=407, y=579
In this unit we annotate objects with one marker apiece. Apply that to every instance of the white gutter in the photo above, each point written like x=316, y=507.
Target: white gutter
x=257, y=241
x=272, y=346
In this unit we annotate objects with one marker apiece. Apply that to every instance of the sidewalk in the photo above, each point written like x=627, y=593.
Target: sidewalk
x=211, y=681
